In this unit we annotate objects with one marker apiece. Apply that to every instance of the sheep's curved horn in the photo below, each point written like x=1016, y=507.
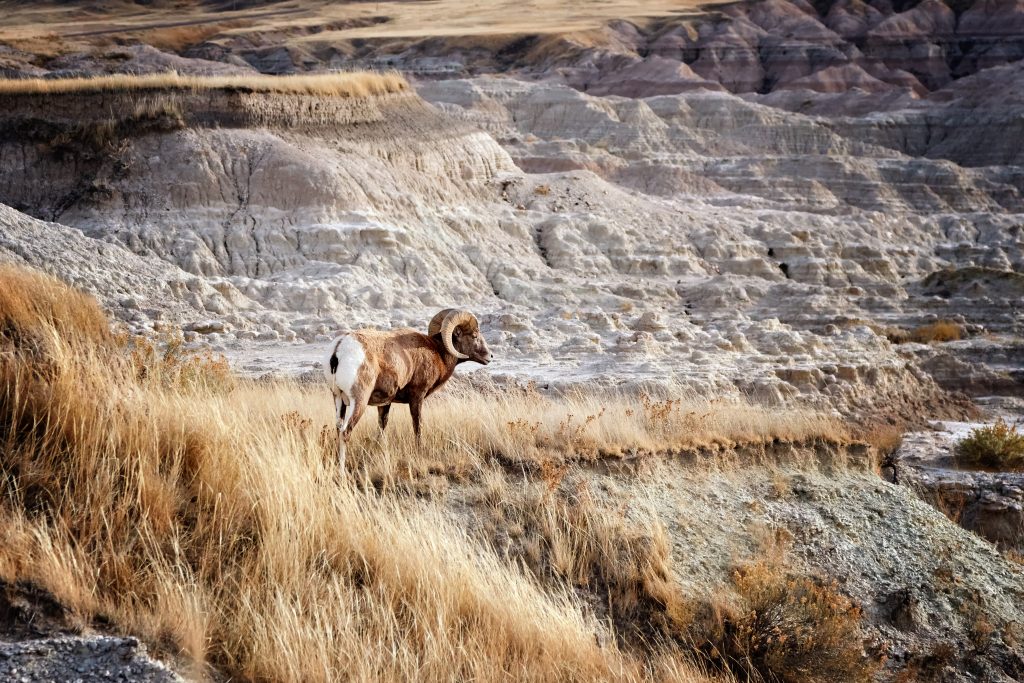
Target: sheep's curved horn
x=435, y=323
x=445, y=323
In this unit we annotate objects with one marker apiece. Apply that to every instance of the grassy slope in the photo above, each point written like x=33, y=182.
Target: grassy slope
x=206, y=515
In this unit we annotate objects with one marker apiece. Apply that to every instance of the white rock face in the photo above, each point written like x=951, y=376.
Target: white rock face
x=697, y=239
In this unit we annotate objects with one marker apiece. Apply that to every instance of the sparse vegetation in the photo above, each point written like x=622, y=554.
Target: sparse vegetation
x=999, y=446
x=886, y=439
x=556, y=528
x=938, y=331
x=179, y=38
x=349, y=84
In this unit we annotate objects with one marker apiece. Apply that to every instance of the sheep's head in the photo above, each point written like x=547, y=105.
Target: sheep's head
x=460, y=334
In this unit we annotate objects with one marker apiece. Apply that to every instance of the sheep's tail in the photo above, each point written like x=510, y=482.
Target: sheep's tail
x=334, y=361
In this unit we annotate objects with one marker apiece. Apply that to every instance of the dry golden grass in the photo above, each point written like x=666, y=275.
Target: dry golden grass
x=342, y=20
x=352, y=84
x=886, y=439
x=562, y=534
x=938, y=331
x=179, y=38
x=206, y=515
x=529, y=429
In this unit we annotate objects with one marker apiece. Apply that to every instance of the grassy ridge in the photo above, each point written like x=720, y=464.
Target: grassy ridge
x=351, y=84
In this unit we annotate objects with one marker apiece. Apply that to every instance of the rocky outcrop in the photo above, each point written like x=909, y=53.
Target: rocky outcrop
x=933, y=596
x=750, y=47
x=142, y=291
x=254, y=187
x=623, y=219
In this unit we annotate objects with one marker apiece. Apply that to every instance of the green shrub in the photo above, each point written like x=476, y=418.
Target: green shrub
x=995, y=446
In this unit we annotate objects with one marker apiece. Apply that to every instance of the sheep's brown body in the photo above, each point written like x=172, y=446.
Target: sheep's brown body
x=378, y=368
x=402, y=366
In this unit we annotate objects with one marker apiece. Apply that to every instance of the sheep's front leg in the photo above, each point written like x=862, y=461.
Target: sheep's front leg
x=382, y=416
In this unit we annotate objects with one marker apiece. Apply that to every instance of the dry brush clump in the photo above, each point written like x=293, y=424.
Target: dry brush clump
x=939, y=331
x=772, y=625
x=343, y=84
x=192, y=513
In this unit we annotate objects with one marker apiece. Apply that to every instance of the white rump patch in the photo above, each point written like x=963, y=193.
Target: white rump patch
x=350, y=355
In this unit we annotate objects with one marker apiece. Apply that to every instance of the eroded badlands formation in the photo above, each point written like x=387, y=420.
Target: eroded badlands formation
x=753, y=232
x=749, y=201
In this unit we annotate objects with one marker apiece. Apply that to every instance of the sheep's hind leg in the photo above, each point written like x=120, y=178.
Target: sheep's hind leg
x=414, y=411
x=340, y=409
x=357, y=405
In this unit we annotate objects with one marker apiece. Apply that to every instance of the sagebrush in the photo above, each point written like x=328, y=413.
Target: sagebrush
x=772, y=625
x=997, y=446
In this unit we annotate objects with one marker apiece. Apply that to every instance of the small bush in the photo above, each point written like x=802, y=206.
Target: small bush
x=939, y=331
x=168, y=363
x=39, y=314
x=780, y=628
x=996, y=446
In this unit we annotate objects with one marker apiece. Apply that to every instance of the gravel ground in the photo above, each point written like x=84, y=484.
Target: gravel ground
x=80, y=659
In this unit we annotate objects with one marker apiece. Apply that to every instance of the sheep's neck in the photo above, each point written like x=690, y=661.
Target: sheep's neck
x=448, y=361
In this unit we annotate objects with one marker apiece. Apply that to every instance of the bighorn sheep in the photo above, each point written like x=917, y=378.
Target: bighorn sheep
x=378, y=368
